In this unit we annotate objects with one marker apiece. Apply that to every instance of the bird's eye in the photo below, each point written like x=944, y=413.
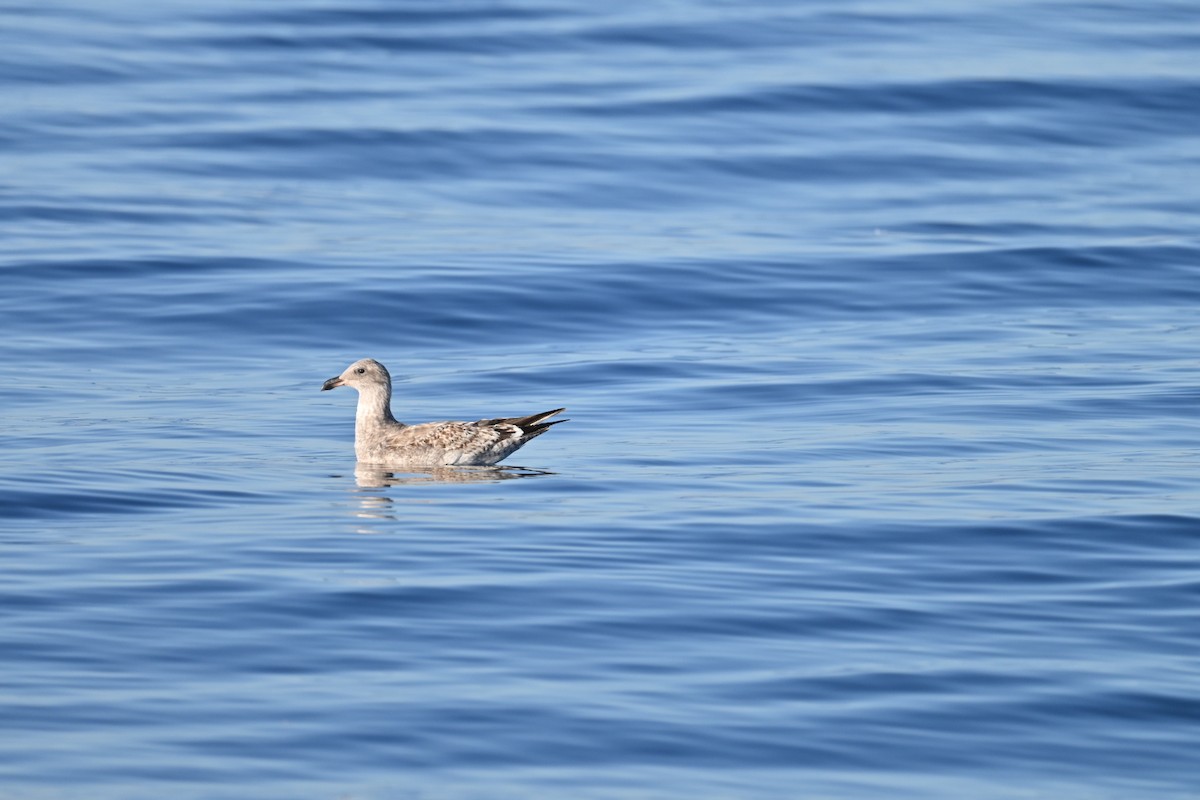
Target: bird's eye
x=361, y=370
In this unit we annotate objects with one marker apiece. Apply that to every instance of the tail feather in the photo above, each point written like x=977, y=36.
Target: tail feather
x=538, y=430
x=531, y=426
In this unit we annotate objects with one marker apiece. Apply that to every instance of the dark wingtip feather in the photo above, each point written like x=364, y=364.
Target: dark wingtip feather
x=540, y=428
x=532, y=425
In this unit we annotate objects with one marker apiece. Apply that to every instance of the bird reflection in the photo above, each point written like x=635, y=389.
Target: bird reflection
x=378, y=505
x=375, y=478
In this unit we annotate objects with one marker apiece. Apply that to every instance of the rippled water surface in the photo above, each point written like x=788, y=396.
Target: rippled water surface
x=877, y=328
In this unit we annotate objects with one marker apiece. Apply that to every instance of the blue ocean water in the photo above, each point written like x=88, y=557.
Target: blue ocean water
x=876, y=325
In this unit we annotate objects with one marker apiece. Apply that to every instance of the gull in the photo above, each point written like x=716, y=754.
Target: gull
x=380, y=439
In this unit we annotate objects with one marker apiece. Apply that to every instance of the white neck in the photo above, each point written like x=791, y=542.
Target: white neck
x=374, y=410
